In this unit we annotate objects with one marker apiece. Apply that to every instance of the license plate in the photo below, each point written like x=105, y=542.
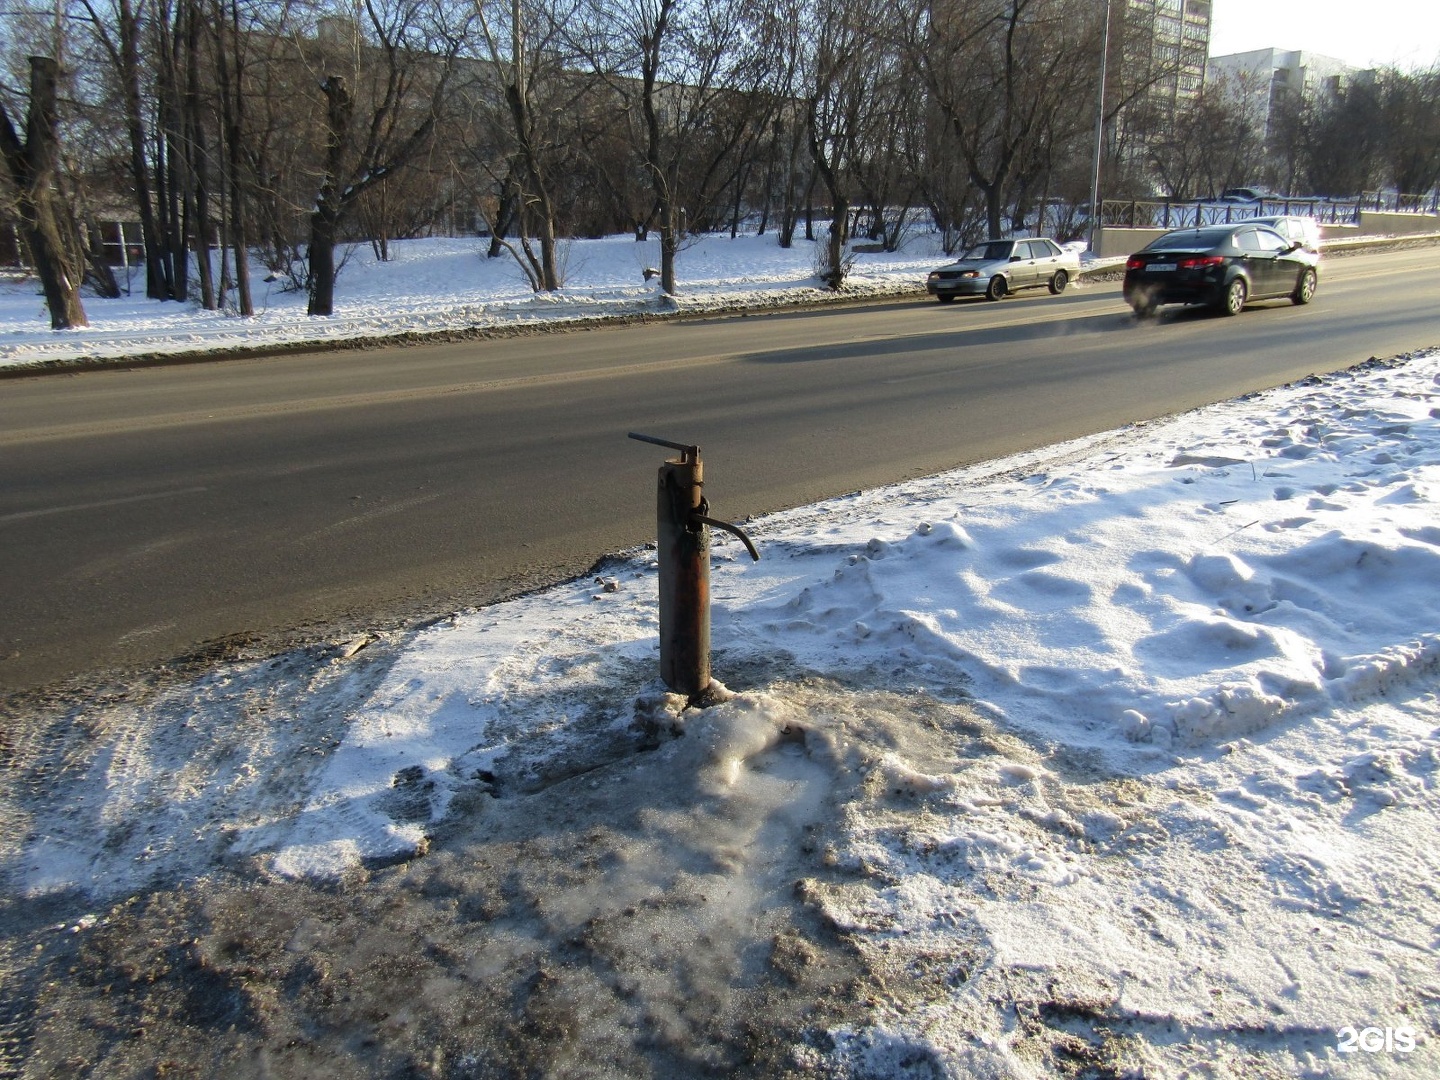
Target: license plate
x=1160, y=266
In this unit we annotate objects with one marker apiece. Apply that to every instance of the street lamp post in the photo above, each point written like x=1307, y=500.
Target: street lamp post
x=1099, y=133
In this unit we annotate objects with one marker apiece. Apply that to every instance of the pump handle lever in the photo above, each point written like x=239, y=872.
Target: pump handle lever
x=689, y=449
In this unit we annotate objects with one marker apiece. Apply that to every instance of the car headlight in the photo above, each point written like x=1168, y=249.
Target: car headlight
x=971, y=273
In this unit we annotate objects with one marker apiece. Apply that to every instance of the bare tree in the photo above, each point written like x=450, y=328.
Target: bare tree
x=842, y=66
x=616, y=189
x=413, y=54
x=1345, y=142
x=230, y=27
x=1288, y=136
x=30, y=169
x=1007, y=76
x=521, y=39
x=119, y=29
x=183, y=184
x=670, y=66
x=1211, y=141
x=1410, y=115
x=887, y=174
x=83, y=145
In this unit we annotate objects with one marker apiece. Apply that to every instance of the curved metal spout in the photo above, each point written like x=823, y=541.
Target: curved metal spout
x=716, y=523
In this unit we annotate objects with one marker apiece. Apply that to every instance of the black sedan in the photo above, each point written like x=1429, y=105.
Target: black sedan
x=1224, y=266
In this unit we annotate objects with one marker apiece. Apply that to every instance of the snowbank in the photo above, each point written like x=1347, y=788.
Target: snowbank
x=437, y=286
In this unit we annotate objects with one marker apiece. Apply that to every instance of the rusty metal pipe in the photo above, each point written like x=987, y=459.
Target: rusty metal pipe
x=684, y=557
x=683, y=554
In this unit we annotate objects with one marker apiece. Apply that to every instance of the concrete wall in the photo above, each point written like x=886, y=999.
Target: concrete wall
x=1116, y=241
x=1379, y=223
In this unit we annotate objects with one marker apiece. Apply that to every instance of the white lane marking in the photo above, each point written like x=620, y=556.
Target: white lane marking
x=25, y=515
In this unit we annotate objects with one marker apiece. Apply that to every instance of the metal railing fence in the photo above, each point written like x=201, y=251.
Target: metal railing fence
x=1192, y=213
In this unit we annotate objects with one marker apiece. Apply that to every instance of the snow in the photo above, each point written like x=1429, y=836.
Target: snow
x=448, y=286
x=1123, y=752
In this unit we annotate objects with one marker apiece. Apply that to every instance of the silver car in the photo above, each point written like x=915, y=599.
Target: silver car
x=997, y=267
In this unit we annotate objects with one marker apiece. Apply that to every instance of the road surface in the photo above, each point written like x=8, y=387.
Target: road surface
x=148, y=514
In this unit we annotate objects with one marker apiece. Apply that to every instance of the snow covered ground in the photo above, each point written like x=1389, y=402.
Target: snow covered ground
x=1114, y=759
x=434, y=286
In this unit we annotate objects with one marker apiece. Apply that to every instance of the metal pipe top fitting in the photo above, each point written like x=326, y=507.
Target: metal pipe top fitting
x=689, y=451
x=690, y=455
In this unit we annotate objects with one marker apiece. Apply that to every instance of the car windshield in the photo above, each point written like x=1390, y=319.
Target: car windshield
x=1189, y=240
x=990, y=251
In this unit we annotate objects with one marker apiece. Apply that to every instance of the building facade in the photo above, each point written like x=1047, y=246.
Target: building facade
x=1165, y=43
x=1268, y=81
x=1158, y=56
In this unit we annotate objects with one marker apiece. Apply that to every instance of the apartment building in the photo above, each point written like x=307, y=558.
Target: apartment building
x=1165, y=43
x=1266, y=80
x=1157, y=63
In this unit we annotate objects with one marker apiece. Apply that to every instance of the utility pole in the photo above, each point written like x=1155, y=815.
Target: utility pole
x=1099, y=133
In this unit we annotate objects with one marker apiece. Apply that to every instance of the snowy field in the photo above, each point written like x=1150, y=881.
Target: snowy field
x=1114, y=759
x=437, y=286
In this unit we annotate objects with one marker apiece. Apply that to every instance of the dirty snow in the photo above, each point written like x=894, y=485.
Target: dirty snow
x=1115, y=758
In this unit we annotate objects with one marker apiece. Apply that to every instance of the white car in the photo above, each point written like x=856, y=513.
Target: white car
x=1303, y=230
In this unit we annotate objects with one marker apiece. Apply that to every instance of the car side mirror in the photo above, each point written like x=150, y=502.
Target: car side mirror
x=1014, y=258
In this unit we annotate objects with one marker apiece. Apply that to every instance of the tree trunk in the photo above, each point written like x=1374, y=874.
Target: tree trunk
x=505, y=214
x=660, y=181
x=338, y=194
x=768, y=202
x=324, y=223
x=223, y=241
x=180, y=198
x=833, y=271
x=669, y=248
x=742, y=177
x=31, y=170
x=810, y=209
x=835, y=250
x=198, y=156
x=790, y=212
x=538, y=197
x=325, y=218
x=97, y=270
x=232, y=105
x=158, y=285
x=993, y=211
x=174, y=165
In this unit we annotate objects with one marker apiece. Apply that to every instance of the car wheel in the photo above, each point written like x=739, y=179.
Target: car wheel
x=996, y=289
x=1234, y=297
x=1058, y=282
x=945, y=298
x=1305, y=287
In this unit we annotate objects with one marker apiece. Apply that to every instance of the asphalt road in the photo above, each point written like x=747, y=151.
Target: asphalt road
x=146, y=513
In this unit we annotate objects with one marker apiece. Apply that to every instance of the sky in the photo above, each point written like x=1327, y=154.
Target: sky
x=1403, y=33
